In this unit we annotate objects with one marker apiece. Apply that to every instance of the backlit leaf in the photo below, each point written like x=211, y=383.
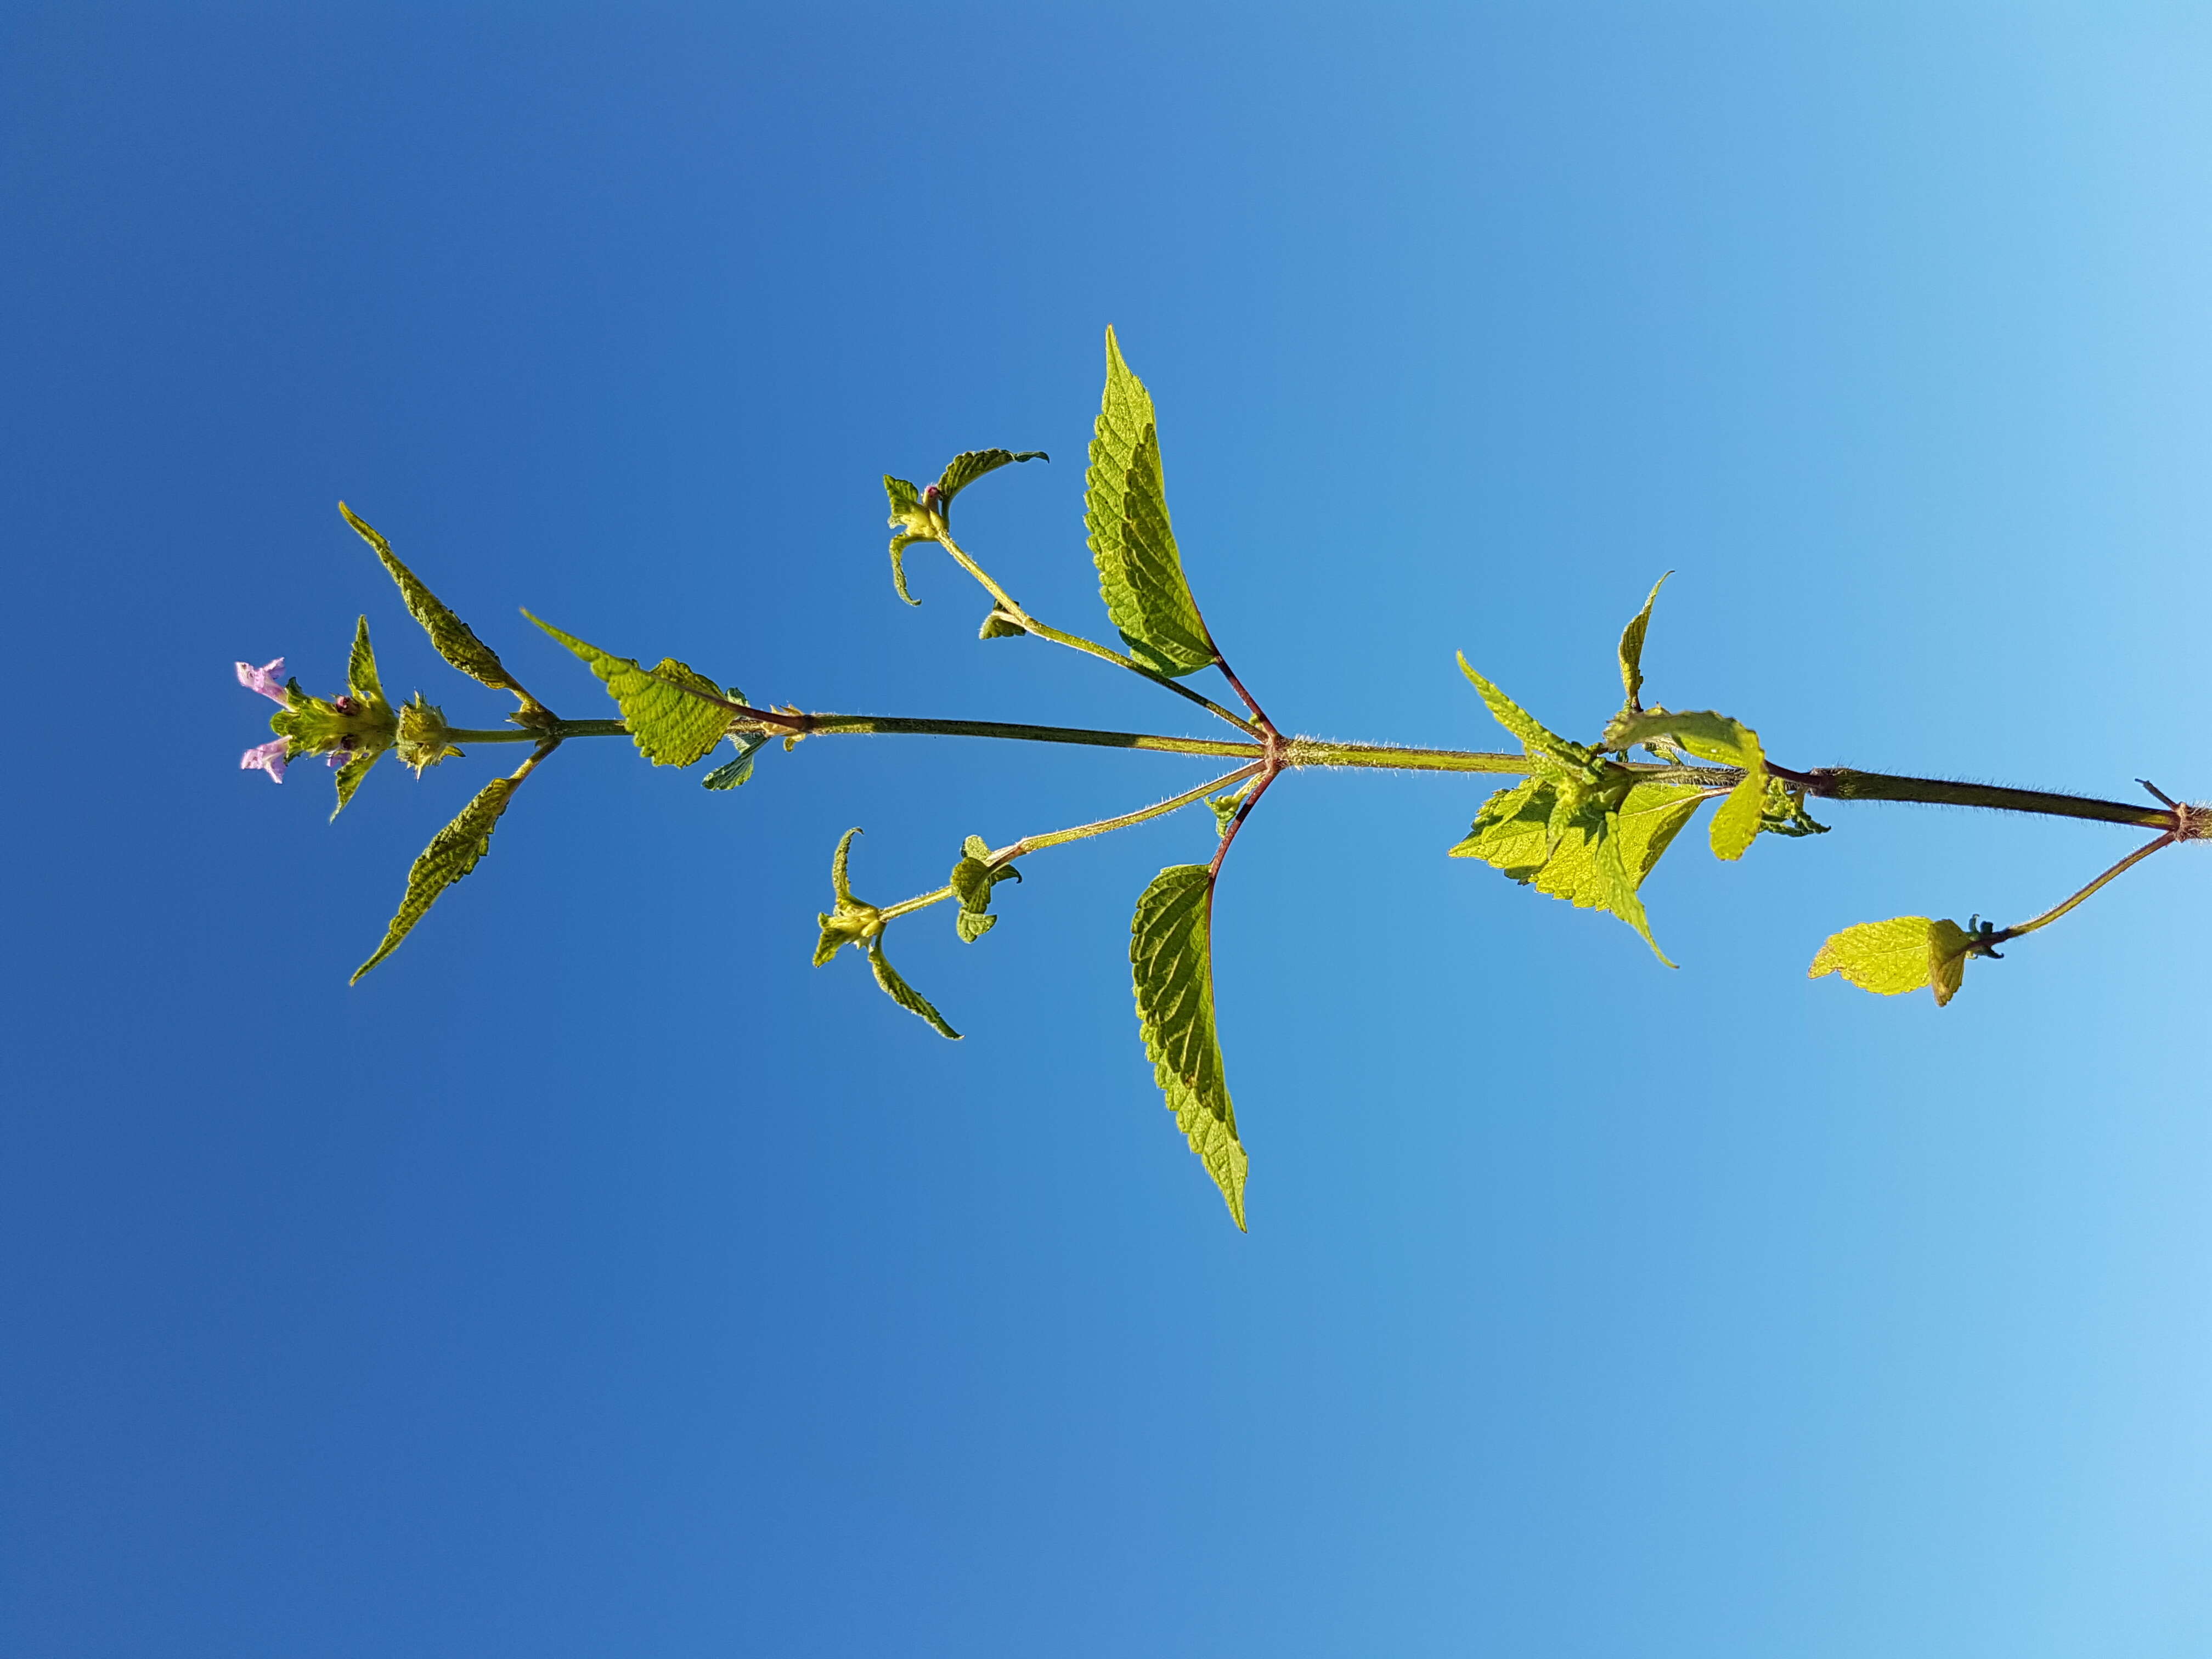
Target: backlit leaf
x=676, y=716
x=970, y=465
x=1539, y=742
x=1125, y=510
x=1171, y=960
x=1900, y=954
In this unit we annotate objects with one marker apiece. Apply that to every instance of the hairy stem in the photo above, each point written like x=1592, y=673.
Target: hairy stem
x=1002, y=856
x=2058, y=910
x=1014, y=613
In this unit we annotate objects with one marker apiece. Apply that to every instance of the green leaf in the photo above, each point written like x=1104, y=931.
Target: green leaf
x=451, y=854
x=730, y=773
x=904, y=994
x=1784, y=813
x=1132, y=544
x=1714, y=738
x=455, y=640
x=972, y=879
x=1538, y=742
x=361, y=682
x=1226, y=806
x=1632, y=648
x=1736, y=824
x=999, y=626
x=1900, y=954
x=970, y=465
x=1171, y=960
x=841, y=864
x=1594, y=856
x=913, y=522
x=850, y=921
x=350, y=775
x=676, y=714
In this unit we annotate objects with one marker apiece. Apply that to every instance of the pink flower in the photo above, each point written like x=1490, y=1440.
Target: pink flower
x=270, y=757
x=269, y=680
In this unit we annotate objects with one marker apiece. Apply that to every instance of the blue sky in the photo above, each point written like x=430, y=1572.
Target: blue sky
x=599, y=1277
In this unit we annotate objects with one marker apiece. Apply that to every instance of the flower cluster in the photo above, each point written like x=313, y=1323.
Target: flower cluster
x=351, y=730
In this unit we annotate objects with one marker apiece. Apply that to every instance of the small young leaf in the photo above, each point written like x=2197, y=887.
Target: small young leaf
x=1125, y=507
x=730, y=773
x=451, y=854
x=350, y=775
x=1710, y=737
x=361, y=682
x=970, y=465
x=1784, y=813
x=972, y=879
x=1631, y=649
x=455, y=640
x=1900, y=954
x=911, y=519
x=1226, y=806
x=676, y=714
x=904, y=994
x=1536, y=740
x=999, y=626
x=1171, y=959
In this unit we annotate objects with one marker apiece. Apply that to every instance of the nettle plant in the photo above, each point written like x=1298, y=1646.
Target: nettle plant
x=1586, y=824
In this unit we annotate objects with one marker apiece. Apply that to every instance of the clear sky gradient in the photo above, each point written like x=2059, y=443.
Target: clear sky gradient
x=600, y=1278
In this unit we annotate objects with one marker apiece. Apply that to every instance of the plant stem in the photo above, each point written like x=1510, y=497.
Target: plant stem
x=1843, y=783
x=1001, y=857
x=2058, y=910
x=1014, y=613
x=1831, y=783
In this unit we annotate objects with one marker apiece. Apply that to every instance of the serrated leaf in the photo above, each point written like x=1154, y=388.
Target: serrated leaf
x=451, y=854
x=731, y=772
x=454, y=640
x=1632, y=648
x=1539, y=742
x=999, y=626
x=1125, y=509
x=970, y=465
x=1171, y=961
x=676, y=714
x=972, y=880
x=1900, y=954
x=1592, y=857
x=904, y=994
x=361, y=681
x=1888, y=959
x=350, y=776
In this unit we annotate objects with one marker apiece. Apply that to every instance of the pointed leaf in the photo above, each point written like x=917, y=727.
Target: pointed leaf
x=455, y=640
x=1540, y=743
x=904, y=994
x=970, y=465
x=1632, y=648
x=361, y=682
x=350, y=775
x=451, y=854
x=1171, y=958
x=1125, y=507
x=730, y=773
x=676, y=714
